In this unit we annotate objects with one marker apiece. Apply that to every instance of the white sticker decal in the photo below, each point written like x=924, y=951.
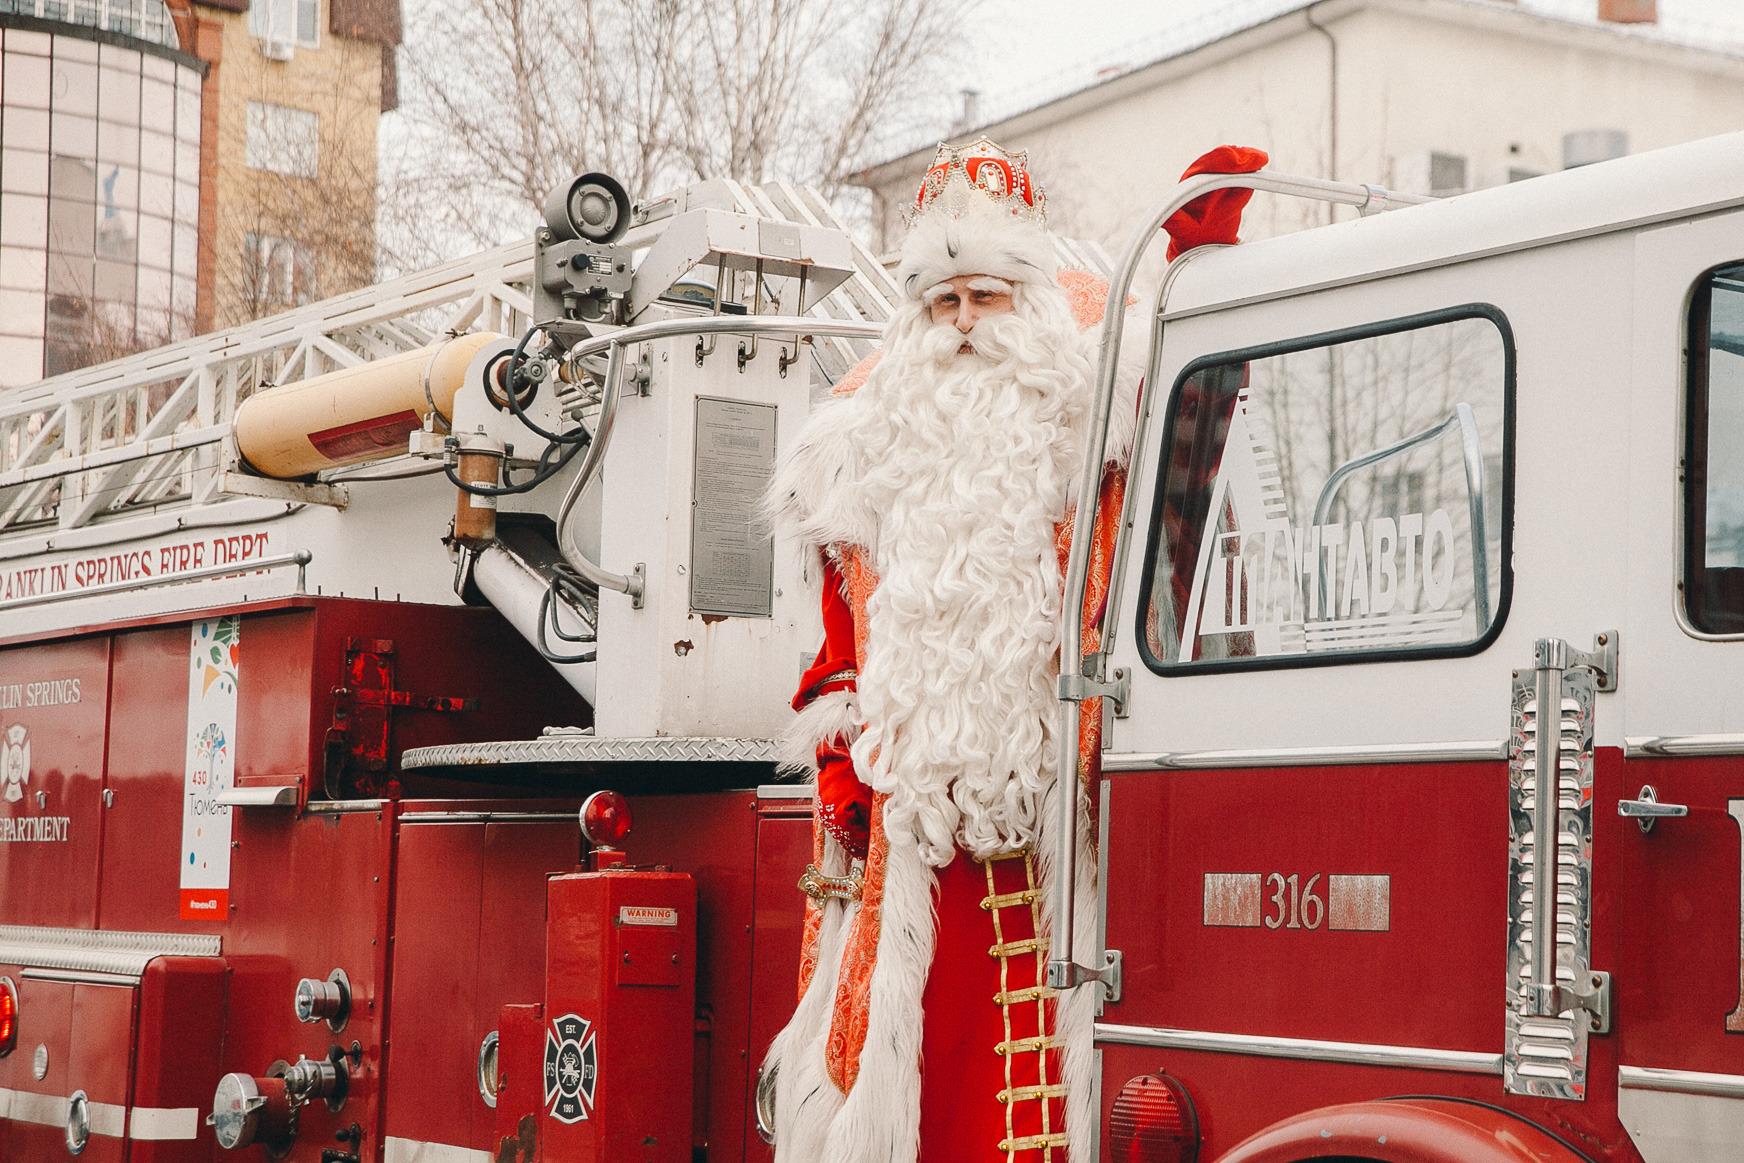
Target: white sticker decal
x=213, y=654
x=15, y=761
x=648, y=915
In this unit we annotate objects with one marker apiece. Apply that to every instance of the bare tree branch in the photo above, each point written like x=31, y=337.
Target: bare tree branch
x=503, y=99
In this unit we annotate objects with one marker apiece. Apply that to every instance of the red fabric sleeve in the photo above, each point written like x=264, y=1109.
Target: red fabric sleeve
x=844, y=803
x=1213, y=217
x=834, y=668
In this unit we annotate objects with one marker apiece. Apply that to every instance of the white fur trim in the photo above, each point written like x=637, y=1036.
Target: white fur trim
x=808, y=498
x=806, y=1100
x=835, y=715
x=982, y=240
x=880, y=1120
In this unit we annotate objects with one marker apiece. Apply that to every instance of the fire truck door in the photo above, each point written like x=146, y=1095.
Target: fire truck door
x=53, y=706
x=1680, y=1016
x=1310, y=621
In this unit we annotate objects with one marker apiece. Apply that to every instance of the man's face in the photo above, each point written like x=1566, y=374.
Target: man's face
x=965, y=300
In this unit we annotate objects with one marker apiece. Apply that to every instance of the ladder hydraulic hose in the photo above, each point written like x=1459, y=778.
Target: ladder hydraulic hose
x=354, y=414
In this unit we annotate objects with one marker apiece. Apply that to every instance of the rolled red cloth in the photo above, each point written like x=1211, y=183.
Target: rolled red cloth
x=844, y=804
x=1213, y=217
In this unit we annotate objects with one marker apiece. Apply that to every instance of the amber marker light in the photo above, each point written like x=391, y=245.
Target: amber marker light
x=1153, y=1121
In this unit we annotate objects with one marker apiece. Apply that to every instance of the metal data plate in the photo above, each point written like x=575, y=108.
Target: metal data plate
x=1547, y=1057
x=732, y=552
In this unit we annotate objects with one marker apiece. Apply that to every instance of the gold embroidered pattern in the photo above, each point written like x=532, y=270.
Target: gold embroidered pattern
x=845, y=674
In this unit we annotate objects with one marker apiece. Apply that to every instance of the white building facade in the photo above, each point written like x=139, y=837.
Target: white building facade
x=1428, y=96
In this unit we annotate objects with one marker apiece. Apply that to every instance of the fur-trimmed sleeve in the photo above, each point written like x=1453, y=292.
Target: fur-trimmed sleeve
x=806, y=500
x=818, y=740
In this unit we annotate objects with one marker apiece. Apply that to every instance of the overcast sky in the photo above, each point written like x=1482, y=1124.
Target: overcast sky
x=1021, y=53
x=1026, y=51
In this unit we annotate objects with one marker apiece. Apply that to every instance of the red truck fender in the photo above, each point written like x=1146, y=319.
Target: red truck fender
x=1412, y=1130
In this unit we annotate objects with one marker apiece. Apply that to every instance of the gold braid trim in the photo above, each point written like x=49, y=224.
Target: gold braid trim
x=1055, y=1090
x=844, y=674
x=1027, y=1045
x=1045, y=1142
x=1013, y=948
x=1003, y=951
x=1007, y=899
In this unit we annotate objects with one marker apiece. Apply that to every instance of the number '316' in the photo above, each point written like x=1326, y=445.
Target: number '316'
x=1296, y=905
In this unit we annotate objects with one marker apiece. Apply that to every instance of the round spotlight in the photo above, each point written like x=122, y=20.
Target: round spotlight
x=592, y=207
x=605, y=819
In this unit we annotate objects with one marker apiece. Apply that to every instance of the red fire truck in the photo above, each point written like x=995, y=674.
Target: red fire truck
x=430, y=637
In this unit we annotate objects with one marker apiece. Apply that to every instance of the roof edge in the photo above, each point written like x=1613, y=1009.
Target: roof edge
x=1618, y=37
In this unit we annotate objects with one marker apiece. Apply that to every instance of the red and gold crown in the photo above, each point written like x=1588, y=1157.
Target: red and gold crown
x=981, y=168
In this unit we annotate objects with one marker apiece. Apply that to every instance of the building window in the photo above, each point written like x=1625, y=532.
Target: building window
x=279, y=272
x=1713, y=568
x=147, y=20
x=309, y=23
x=281, y=23
x=1521, y=174
x=1446, y=174
x=282, y=140
x=1290, y=532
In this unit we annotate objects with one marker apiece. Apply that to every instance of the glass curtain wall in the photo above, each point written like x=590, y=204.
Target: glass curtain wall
x=99, y=188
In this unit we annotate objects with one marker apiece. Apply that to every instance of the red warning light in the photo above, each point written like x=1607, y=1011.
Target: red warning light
x=1153, y=1121
x=8, y=1016
x=605, y=819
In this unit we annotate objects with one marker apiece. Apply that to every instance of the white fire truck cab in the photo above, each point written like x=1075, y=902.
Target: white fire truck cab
x=1410, y=482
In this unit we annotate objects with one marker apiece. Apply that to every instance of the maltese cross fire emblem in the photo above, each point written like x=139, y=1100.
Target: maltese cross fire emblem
x=571, y=1068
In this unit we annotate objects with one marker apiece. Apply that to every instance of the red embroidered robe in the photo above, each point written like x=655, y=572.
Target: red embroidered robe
x=992, y=1072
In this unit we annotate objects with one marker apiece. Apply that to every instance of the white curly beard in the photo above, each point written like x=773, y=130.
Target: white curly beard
x=962, y=467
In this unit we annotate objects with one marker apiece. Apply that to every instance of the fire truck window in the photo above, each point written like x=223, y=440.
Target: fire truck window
x=1338, y=498
x=1714, y=456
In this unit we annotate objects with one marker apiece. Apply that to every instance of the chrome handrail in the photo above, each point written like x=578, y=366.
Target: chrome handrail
x=299, y=558
x=1063, y=971
x=1541, y=989
x=1301, y=1049
x=613, y=344
x=1669, y=746
x=1472, y=450
x=1331, y=755
x=1141, y=432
